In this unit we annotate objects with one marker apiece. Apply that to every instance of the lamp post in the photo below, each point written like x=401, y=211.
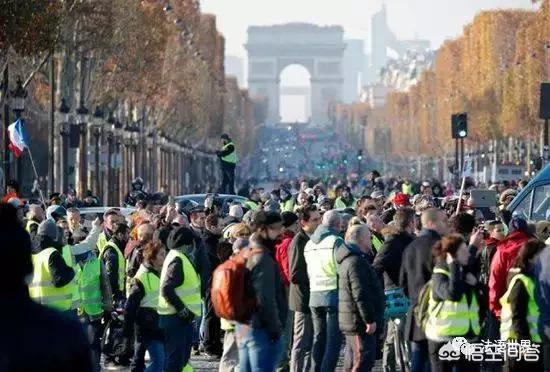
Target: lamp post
x=127, y=141
x=18, y=97
x=63, y=120
x=116, y=166
x=97, y=125
x=110, y=137
x=82, y=118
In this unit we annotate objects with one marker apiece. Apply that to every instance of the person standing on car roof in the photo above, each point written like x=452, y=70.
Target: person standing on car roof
x=228, y=158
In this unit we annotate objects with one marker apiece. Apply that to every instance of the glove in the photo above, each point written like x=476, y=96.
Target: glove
x=186, y=315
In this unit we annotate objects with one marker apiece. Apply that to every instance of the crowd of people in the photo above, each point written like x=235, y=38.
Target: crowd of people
x=323, y=269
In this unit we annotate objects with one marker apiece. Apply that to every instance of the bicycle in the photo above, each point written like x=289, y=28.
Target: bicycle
x=397, y=305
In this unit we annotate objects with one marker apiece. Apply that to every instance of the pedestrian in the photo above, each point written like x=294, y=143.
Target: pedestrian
x=52, y=281
x=141, y=310
x=33, y=337
x=259, y=339
x=345, y=200
x=520, y=311
x=416, y=270
x=228, y=160
x=360, y=300
x=505, y=255
x=253, y=202
x=387, y=263
x=542, y=297
x=113, y=259
x=179, y=299
x=110, y=217
x=300, y=359
x=210, y=329
x=35, y=216
x=454, y=304
x=322, y=272
x=290, y=228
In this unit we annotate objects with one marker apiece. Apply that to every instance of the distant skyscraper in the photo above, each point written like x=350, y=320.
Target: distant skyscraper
x=235, y=66
x=354, y=62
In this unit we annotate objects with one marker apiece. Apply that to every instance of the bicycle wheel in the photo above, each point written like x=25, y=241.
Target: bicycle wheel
x=397, y=347
x=405, y=354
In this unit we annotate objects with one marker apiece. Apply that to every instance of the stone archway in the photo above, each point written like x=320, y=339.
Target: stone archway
x=318, y=49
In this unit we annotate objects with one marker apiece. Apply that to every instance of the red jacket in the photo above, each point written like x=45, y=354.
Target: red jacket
x=505, y=256
x=281, y=256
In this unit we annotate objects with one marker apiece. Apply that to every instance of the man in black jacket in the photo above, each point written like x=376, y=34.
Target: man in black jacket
x=360, y=299
x=309, y=218
x=33, y=337
x=416, y=270
x=259, y=339
x=387, y=263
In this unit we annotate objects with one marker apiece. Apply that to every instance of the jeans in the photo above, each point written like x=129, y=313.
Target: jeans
x=360, y=353
x=229, y=361
x=438, y=365
x=156, y=352
x=138, y=360
x=420, y=361
x=257, y=352
x=326, y=339
x=303, y=338
x=94, y=331
x=286, y=343
x=228, y=179
x=178, y=342
x=196, y=337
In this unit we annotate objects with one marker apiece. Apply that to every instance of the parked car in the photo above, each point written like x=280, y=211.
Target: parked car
x=88, y=215
x=533, y=202
x=222, y=201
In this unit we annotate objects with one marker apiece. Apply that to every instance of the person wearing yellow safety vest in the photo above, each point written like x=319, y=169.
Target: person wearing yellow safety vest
x=407, y=188
x=319, y=254
x=345, y=200
x=287, y=201
x=520, y=312
x=180, y=298
x=113, y=258
x=95, y=297
x=140, y=312
x=110, y=217
x=253, y=202
x=375, y=224
x=35, y=216
x=453, y=305
x=228, y=159
x=53, y=282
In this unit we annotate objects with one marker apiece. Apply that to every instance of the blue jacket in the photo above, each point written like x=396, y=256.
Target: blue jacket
x=542, y=291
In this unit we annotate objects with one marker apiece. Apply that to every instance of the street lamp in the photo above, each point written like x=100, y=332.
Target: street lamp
x=18, y=97
x=97, y=124
x=63, y=120
x=82, y=120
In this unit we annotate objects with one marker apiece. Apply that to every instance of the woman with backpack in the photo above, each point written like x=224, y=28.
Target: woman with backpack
x=520, y=312
x=454, y=306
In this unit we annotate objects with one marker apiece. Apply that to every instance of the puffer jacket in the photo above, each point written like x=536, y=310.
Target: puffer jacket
x=507, y=251
x=281, y=255
x=361, y=297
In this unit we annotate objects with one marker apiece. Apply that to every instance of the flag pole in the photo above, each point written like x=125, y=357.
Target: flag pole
x=37, y=178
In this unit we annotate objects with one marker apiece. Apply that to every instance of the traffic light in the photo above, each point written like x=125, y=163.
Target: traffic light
x=359, y=155
x=459, y=125
x=345, y=159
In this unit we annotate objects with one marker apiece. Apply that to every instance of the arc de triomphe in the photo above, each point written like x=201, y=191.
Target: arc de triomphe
x=318, y=49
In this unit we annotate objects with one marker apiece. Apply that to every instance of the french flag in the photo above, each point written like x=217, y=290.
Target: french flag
x=18, y=142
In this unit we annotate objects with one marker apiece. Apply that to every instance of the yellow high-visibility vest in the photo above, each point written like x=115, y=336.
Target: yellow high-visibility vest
x=232, y=157
x=121, y=263
x=321, y=264
x=42, y=289
x=448, y=319
x=506, y=331
x=151, y=286
x=189, y=292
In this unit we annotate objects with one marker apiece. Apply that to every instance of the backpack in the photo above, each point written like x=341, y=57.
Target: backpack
x=230, y=294
x=421, y=310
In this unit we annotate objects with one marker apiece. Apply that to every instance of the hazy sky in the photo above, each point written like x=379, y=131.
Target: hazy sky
x=435, y=20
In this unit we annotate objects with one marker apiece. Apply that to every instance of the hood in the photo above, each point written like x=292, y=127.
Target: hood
x=491, y=241
x=345, y=251
x=321, y=232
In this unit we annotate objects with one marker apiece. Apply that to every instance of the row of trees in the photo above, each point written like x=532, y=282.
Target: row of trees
x=493, y=72
x=157, y=66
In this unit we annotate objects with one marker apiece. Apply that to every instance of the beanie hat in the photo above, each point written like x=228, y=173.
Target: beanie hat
x=236, y=211
x=179, y=237
x=401, y=200
x=288, y=218
x=55, y=211
x=239, y=244
x=48, y=228
x=271, y=206
x=263, y=219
